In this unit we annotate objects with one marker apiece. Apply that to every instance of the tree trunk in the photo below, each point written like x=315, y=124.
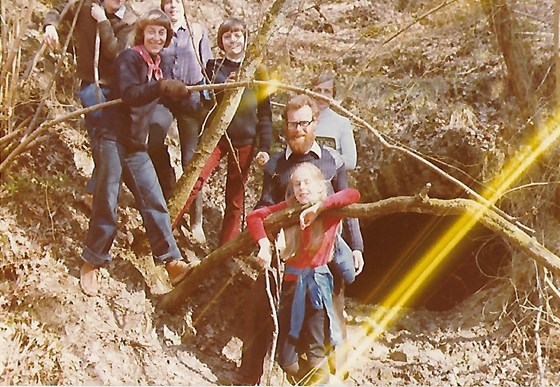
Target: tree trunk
x=225, y=112
x=516, y=55
x=155, y=276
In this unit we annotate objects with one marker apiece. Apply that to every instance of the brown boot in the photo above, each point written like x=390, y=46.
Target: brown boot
x=177, y=270
x=293, y=373
x=89, y=282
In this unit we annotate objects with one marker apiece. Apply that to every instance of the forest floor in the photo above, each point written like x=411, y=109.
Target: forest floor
x=51, y=333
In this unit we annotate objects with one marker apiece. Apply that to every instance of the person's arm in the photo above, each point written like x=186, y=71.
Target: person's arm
x=51, y=21
x=348, y=145
x=205, y=49
x=51, y=36
x=351, y=226
x=338, y=199
x=351, y=230
x=210, y=70
x=110, y=47
x=216, y=74
x=255, y=219
x=264, y=114
x=255, y=225
x=134, y=89
x=269, y=189
x=341, y=198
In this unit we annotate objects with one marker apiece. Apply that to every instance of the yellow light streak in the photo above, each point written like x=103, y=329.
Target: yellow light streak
x=421, y=273
x=272, y=86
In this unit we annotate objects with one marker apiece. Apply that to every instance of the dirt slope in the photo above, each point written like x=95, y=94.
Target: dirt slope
x=51, y=333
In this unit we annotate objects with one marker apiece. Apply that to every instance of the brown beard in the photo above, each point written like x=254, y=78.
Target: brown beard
x=301, y=145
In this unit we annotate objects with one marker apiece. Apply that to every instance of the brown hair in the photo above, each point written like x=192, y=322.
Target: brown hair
x=154, y=17
x=231, y=24
x=299, y=101
x=323, y=77
x=293, y=233
x=162, y=3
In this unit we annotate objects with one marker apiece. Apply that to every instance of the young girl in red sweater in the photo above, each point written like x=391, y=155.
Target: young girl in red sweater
x=306, y=317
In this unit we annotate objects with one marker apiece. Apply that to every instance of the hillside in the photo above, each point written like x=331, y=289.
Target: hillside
x=435, y=82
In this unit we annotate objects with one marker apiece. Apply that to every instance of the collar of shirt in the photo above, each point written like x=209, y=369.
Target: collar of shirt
x=120, y=12
x=178, y=26
x=235, y=60
x=315, y=148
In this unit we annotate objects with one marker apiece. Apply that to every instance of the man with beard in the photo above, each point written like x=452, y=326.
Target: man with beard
x=300, y=117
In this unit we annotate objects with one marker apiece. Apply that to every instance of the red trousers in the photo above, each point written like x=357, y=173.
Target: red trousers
x=238, y=166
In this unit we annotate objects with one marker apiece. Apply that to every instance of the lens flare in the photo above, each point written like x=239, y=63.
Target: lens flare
x=427, y=266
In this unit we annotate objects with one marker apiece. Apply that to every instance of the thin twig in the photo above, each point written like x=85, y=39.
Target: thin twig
x=49, y=209
x=58, y=66
x=47, y=124
x=15, y=45
x=373, y=54
x=17, y=131
x=274, y=315
x=552, y=287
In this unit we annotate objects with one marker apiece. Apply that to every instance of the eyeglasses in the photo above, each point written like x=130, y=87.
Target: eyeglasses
x=321, y=90
x=302, y=124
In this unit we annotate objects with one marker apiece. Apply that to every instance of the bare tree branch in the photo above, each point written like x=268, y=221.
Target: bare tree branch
x=373, y=54
x=225, y=112
x=370, y=211
x=211, y=135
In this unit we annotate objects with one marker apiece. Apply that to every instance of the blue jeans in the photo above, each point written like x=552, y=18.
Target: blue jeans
x=90, y=95
x=189, y=130
x=343, y=260
x=159, y=124
x=137, y=171
x=313, y=336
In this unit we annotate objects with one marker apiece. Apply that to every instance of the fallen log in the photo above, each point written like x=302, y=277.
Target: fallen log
x=173, y=300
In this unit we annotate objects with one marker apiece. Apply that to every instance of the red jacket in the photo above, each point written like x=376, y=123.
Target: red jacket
x=255, y=224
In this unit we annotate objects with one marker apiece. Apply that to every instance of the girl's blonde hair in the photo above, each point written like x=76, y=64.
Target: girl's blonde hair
x=293, y=233
x=316, y=175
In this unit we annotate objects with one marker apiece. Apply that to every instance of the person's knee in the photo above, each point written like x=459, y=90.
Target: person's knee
x=157, y=132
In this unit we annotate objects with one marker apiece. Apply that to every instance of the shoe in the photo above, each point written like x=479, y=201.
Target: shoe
x=198, y=233
x=89, y=282
x=177, y=270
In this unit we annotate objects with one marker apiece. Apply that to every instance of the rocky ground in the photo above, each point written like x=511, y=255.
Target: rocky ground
x=501, y=334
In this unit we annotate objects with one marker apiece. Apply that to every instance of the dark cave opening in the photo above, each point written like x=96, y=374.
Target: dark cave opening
x=394, y=244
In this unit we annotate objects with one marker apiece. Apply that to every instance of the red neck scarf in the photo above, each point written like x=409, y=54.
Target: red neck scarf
x=153, y=67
